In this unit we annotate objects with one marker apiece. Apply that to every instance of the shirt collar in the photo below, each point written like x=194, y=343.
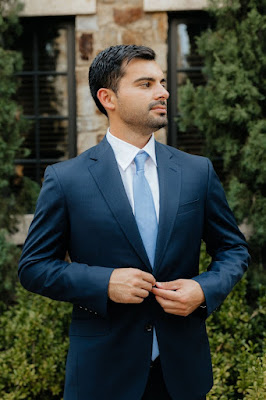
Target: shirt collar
x=126, y=152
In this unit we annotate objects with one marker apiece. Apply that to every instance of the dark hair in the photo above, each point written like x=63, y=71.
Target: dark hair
x=106, y=69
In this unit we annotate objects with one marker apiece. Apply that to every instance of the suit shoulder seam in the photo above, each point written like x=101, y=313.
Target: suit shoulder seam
x=59, y=184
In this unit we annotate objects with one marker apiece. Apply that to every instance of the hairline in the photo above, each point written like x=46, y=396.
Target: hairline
x=124, y=65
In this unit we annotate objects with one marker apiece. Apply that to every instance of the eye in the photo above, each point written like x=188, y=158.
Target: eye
x=146, y=84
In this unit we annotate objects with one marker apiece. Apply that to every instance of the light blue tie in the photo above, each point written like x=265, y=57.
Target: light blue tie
x=146, y=219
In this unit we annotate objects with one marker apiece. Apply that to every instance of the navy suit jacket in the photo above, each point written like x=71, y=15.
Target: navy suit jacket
x=83, y=209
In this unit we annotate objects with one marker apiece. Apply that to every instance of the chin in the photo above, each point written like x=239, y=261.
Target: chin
x=161, y=124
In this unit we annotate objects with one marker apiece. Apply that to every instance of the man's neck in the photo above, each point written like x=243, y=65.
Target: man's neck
x=128, y=135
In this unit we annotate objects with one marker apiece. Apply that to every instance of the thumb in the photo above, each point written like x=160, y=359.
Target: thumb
x=172, y=285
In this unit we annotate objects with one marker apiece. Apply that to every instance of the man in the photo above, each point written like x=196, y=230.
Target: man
x=132, y=213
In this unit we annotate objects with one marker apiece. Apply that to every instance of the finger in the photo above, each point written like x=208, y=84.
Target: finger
x=172, y=285
x=148, y=277
x=137, y=282
x=135, y=300
x=141, y=293
x=166, y=294
x=146, y=285
x=167, y=303
x=175, y=312
x=172, y=307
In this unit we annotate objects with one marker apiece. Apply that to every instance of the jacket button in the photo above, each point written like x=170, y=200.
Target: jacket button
x=148, y=327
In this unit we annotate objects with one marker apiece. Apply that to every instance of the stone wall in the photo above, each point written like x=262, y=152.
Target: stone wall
x=174, y=5
x=115, y=22
x=57, y=7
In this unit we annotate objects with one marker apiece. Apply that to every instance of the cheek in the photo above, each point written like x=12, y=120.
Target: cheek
x=134, y=105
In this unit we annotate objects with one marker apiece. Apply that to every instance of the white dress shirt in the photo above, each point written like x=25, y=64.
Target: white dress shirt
x=125, y=154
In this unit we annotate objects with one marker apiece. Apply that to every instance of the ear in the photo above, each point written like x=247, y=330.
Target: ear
x=106, y=98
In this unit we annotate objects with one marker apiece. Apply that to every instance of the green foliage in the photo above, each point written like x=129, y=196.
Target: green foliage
x=33, y=348
x=231, y=109
x=237, y=340
x=230, y=112
x=256, y=375
x=13, y=188
x=9, y=255
x=9, y=21
x=17, y=194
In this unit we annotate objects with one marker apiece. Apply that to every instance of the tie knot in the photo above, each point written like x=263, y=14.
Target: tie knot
x=140, y=161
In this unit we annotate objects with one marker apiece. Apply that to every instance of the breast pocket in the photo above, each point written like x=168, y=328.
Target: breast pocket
x=188, y=207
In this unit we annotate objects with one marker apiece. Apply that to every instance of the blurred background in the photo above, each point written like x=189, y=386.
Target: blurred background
x=214, y=56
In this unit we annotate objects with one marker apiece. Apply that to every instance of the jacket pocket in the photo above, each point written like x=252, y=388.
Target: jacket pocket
x=89, y=327
x=188, y=207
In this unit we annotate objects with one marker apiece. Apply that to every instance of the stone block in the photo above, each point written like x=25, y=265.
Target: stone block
x=127, y=15
x=160, y=136
x=87, y=23
x=92, y=123
x=174, y=5
x=86, y=46
x=87, y=140
x=100, y=138
x=143, y=25
x=132, y=37
x=85, y=102
x=159, y=27
x=82, y=73
x=19, y=237
x=105, y=16
x=108, y=37
x=57, y=7
x=161, y=54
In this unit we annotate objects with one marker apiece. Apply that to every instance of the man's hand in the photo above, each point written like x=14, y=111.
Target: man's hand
x=179, y=297
x=130, y=285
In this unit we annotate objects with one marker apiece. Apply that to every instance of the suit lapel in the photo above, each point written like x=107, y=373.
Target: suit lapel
x=169, y=175
x=104, y=169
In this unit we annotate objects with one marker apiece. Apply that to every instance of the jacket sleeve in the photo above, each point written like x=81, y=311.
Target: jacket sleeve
x=225, y=244
x=42, y=266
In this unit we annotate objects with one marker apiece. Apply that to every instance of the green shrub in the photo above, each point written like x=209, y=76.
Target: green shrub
x=237, y=340
x=9, y=255
x=256, y=376
x=18, y=194
x=229, y=111
x=33, y=348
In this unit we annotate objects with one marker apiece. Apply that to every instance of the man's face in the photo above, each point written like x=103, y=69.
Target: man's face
x=141, y=97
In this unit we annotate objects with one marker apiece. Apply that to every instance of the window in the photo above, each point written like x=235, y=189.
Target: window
x=47, y=93
x=185, y=63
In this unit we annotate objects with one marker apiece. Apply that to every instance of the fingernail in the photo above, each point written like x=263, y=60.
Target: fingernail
x=158, y=283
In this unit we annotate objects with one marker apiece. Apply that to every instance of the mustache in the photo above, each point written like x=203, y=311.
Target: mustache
x=157, y=103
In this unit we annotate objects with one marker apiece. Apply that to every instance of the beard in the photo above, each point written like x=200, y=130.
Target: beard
x=157, y=123
x=144, y=122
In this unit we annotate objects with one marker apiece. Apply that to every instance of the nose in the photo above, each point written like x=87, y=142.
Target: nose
x=161, y=93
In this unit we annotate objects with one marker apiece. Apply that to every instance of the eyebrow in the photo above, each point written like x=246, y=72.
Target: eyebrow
x=148, y=78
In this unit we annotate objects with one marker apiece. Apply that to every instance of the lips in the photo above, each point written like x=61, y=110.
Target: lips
x=159, y=106
x=161, y=109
